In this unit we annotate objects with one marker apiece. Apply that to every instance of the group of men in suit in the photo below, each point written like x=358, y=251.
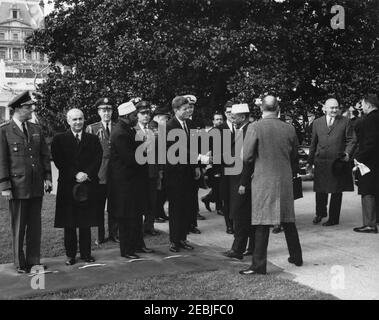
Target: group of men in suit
x=102, y=165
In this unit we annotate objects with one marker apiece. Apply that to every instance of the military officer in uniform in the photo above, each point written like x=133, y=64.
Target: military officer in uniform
x=103, y=130
x=24, y=172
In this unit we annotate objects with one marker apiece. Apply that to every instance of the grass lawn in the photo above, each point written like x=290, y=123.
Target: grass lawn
x=209, y=285
x=52, y=238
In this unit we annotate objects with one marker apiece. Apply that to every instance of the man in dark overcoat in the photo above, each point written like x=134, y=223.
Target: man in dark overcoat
x=332, y=139
x=103, y=130
x=128, y=183
x=77, y=155
x=368, y=154
x=240, y=204
x=24, y=169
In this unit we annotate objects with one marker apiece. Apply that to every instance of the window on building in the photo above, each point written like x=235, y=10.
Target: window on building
x=15, y=36
x=3, y=53
x=28, y=56
x=2, y=35
x=15, y=14
x=16, y=54
x=41, y=57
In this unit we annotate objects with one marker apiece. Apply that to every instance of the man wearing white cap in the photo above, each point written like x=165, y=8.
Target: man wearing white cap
x=239, y=205
x=128, y=182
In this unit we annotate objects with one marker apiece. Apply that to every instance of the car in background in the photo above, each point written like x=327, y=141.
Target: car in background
x=303, y=153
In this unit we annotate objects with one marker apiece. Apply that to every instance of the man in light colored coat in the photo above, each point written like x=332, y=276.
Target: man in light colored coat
x=332, y=139
x=269, y=155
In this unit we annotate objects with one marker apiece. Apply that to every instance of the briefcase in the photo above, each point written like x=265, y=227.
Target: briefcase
x=297, y=188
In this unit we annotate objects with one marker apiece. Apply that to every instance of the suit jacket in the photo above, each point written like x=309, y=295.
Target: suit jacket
x=24, y=163
x=71, y=158
x=367, y=131
x=127, y=180
x=270, y=154
x=98, y=129
x=327, y=145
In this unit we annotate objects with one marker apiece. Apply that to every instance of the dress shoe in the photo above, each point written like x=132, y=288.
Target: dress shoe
x=22, y=270
x=88, y=259
x=329, y=223
x=174, y=247
x=229, y=230
x=317, y=219
x=233, y=254
x=248, y=272
x=152, y=232
x=366, y=229
x=131, y=256
x=195, y=230
x=277, y=229
x=207, y=204
x=248, y=253
x=219, y=212
x=183, y=244
x=160, y=220
x=144, y=250
x=200, y=217
x=70, y=262
x=298, y=263
x=114, y=239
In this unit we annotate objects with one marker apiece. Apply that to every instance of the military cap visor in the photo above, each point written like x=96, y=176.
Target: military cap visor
x=105, y=106
x=23, y=99
x=103, y=103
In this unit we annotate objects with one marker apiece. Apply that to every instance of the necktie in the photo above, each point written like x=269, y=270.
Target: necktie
x=25, y=130
x=107, y=129
x=77, y=138
x=185, y=127
x=330, y=122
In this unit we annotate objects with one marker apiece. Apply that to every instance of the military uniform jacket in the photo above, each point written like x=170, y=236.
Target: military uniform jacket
x=24, y=163
x=98, y=129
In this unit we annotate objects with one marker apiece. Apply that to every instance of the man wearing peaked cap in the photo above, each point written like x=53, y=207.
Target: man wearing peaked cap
x=103, y=130
x=24, y=170
x=239, y=205
x=127, y=182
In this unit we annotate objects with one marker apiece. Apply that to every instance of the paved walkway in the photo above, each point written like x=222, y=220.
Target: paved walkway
x=336, y=259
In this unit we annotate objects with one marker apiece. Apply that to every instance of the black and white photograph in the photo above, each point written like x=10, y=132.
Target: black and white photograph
x=189, y=155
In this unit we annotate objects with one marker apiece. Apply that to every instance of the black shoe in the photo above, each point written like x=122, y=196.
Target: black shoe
x=317, y=219
x=233, y=254
x=219, y=212
x=207, y=204
x=160, y=220
x=229, y=230
x=70, y=262
x=88, y=259
x=114, y=239
x=248, y=253
x=277, y=229
x=174, y=247
x=366, y=229
x=152, y=232
x=22, y=270
x=101, y=241
x=131, y=256
x=200, y=217
x=248, y=272
x=183, y=244
x=329, y=223
x=298, y=263
x=195, y=230
x=144, y=250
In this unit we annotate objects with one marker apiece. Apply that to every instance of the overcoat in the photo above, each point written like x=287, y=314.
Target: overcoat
x=270, y=153
x=71, y=158
x=367, y=131
x=127, y=179
x=24, y=163
x=329, y=144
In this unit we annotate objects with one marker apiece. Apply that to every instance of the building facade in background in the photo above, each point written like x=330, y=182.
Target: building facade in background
x=19, y=70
